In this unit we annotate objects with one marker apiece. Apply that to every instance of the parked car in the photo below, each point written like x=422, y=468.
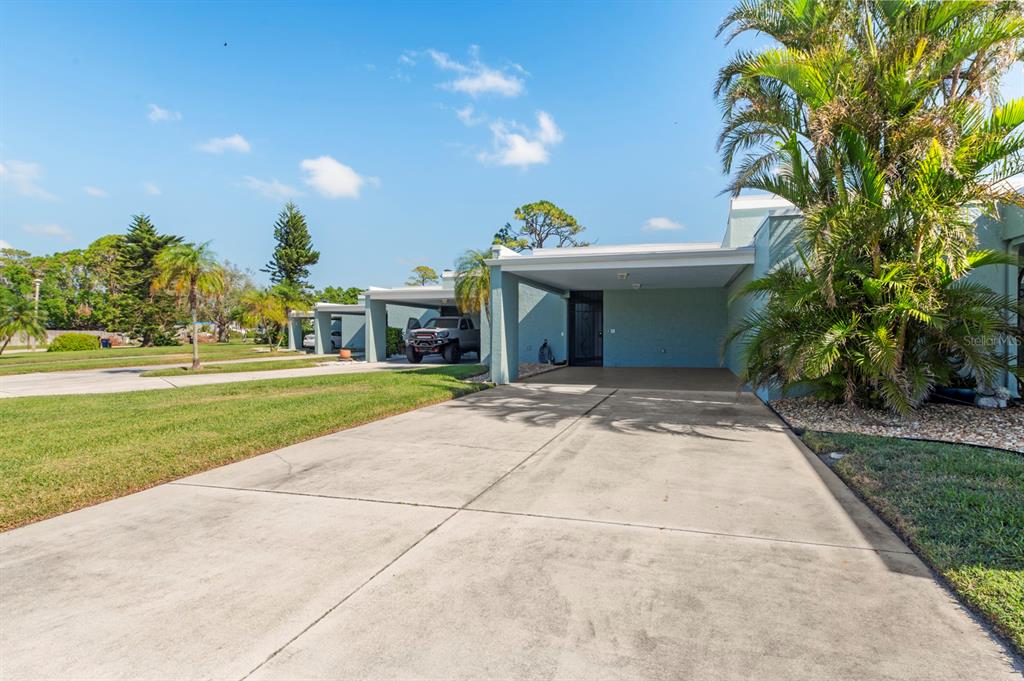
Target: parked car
x=309, y=340
x=445, y=336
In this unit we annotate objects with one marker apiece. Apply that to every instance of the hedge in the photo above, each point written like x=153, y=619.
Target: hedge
x=71, y=342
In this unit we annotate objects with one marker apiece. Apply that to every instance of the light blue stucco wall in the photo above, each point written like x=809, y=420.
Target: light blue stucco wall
x=353, y=332
x=542, y=316
x=664, y=327
x=1005, y=235
x=398, y=315
x=738, y=307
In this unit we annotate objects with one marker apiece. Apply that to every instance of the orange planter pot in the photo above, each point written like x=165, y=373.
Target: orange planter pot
x=344, y=354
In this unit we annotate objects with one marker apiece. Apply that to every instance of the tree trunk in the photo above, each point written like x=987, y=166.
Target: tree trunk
x=195, y=340
x=4, y=346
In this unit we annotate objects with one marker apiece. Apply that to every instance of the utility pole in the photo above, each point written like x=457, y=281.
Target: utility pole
x=37, y=281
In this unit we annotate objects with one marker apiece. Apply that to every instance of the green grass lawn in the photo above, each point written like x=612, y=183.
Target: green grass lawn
x=267, y=365
x=29, y=362
x=64, y=452
x=961, y=508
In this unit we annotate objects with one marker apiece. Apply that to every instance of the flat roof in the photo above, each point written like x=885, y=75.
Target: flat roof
x=684, y=265
x=432, y=295
x=343, y=308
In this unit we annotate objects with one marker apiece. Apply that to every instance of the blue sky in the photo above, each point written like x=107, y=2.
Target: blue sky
x=406, y=133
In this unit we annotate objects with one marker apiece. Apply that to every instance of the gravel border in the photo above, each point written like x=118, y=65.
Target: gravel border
x=999, y=428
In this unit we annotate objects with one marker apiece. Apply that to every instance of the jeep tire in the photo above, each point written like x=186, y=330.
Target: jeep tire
x=412, y=355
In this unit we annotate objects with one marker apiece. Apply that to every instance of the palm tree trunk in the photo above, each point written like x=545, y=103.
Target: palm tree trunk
x=4, y=346
x=195, y=338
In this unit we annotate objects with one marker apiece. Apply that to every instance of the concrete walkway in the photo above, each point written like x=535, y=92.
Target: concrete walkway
x=534, y=531
x=127, y=379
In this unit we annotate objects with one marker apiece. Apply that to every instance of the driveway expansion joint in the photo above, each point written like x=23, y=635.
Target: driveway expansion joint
x=429, y=532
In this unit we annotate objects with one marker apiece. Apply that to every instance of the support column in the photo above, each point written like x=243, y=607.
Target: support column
x=322, y=332
x=294, y=333
x=376, y=330
x=504, y=328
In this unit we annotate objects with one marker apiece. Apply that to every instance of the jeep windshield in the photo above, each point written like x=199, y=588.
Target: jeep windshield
x=442, y=323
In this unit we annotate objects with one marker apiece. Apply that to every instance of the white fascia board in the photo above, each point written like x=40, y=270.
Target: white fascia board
x=758, y=203
x=743, y=255
x=411, y=293
x=339, y=307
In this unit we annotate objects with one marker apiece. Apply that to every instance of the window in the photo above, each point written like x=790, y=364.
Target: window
x=442, y=323
x=464, y=324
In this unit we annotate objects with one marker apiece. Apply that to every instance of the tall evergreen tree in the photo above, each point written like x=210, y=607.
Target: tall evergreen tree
x=294, y=251
x=140, y=310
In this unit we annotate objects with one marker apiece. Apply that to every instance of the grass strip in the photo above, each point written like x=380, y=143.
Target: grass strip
x=32, y=362
x=267, y=365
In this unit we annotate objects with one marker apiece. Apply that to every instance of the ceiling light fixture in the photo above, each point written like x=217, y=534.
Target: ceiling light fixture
x=623, y=275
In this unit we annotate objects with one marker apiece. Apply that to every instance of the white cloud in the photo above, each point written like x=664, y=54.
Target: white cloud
x=158, y=114
x=661, y=225
x=23, y=177
x=151, y=189
x=467, y=115
x=218, y=145
x=96, y=192
x=517, y=145
x=334, y=179
x=54, y=231
x=475, y=77
x=271, y=189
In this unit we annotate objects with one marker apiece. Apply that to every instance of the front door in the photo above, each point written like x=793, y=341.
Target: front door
x=586, y=328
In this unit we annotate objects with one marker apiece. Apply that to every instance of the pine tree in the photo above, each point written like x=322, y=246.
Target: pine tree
x=294, y=251
x=140, y=311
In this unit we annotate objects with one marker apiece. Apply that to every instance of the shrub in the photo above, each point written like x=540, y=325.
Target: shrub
x=162, y=338
x=395, y=341
x=73, y=342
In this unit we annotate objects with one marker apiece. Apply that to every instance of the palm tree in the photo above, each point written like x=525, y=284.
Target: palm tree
x=263, y=309
x=18, y=316
x=473, y=282
x=875, y=120
x=190, y=272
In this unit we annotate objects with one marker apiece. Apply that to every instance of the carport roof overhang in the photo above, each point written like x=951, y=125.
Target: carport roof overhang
x=340, y=308
x=413, y=296
x=624, y=267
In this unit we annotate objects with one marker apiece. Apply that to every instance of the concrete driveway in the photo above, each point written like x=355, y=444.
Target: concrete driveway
x=537, y=531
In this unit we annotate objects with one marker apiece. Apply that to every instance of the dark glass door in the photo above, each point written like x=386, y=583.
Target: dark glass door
x=586, y=328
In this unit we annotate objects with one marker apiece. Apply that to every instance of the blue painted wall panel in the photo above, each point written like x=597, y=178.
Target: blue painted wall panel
x=664, y=327
x=542, y=316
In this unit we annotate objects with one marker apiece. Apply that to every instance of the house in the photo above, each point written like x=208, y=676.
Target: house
x=641, y=305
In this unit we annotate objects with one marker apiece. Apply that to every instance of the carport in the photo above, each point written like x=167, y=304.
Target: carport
x=428, y=301
x=336, y=326
x=648, y=305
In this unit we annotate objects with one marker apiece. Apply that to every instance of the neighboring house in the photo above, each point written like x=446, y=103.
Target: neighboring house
x=640, y=305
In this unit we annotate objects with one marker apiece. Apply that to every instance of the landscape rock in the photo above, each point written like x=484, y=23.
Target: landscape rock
x=1003, y=428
